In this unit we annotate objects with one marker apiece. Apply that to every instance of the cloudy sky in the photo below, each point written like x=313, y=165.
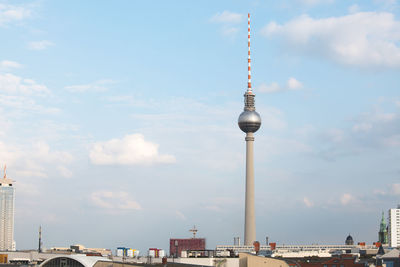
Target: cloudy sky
x=118, y=120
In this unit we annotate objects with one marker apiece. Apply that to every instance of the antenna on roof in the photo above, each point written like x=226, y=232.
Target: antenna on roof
x=5, y=171
x=194, y=231
x=249, y=59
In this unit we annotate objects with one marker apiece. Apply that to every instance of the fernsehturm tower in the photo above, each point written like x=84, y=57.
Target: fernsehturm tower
x=249, y=122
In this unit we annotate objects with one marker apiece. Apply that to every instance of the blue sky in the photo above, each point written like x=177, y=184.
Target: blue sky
x=118, y=120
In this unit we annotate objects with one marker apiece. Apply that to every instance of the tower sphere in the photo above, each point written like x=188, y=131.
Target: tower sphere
x=249, y=121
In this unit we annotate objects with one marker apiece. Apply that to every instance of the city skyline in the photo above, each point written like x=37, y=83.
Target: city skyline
x=119, y=121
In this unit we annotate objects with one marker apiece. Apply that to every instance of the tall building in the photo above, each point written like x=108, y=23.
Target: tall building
x=394, y=227
x=6, y=213
x=249, y=122
x=383, y=234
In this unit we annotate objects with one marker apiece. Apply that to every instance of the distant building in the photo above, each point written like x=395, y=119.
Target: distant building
x=383, y=234
x=394, y=227
x=80, y=249
x=344, y=260
x=7, y=195
x=349, y=240
x=176, y=246
x=390, y=259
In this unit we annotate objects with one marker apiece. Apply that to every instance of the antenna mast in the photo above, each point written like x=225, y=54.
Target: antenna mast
x=249, y=59
x=40, y=239
x=194, y=231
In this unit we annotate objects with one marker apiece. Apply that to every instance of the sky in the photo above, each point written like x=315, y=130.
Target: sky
x=118, y=119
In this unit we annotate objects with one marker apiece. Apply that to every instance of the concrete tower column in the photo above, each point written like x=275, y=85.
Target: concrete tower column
x=250, y=218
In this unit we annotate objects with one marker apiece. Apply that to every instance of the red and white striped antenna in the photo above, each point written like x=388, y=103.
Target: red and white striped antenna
x=249, y=59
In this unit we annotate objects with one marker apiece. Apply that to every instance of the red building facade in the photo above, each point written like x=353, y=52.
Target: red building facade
x=177, y=245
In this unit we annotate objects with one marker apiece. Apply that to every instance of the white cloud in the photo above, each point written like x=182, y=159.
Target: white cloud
x=395, y=190
x=130, y=150
x=383, y=117
x=8, y=64
x=354, y=8
x=28, y=189
x=392, y=190
x=292, y=84
x=230, y=31
x=308, y=202
x=362, y=39
x=273, y=118
x=362, y=127
x=8, y=154
x=347, y=199
x=13, y=84
x=227, y=17
x=12, y=13
x=25, y=103
x=42, y=151
x=33, y=160
x=97, y=86
x=386, y=3
x=315, y=2
x=65, y=172
x=180, y=215
x=114, y=202
x=392, y=141
x=269, y=88
x=40, y=45
x=334, y=135
x=305, y=131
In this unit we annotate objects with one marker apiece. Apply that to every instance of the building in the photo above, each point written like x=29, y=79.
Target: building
x=176, y=246
x=7, y=195
x=349, y=240
x=394, y=227
x=344, y=260
x=80, y=249
x=383, y=234
x=390, y=259
x=249, y=122
x=284, y=251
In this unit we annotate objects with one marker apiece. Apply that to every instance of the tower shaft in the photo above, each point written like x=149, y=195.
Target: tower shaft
x=250, y=218
x=249, y=122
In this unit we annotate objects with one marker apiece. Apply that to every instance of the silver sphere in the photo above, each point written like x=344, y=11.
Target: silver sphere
x=249, y=121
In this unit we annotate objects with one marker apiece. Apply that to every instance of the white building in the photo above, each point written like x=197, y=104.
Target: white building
x=394, y=227
x=7, y=214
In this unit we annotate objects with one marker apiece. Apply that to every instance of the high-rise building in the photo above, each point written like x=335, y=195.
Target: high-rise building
x=383, y=234
x=249, y=122
x=394, y=227
x=6, y=213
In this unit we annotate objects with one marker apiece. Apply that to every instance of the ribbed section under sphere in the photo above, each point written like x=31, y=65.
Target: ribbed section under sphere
x=249, y=121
